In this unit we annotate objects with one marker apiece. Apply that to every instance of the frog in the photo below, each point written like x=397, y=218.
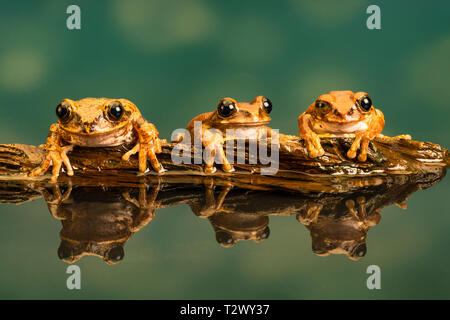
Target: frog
x=341, y=227
x=341, y=114
x=248, y=119
x=99, y=220
x=99, y=122
x=234, y=219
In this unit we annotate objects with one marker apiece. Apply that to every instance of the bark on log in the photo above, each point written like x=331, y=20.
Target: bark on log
x=389, y=159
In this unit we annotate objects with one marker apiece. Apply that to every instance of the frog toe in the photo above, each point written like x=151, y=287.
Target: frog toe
x=228, y=168
x=320, y=152
x=351, y=154
x=210, y=170
x=160, y=169
x=362, y=157
x=314, y=153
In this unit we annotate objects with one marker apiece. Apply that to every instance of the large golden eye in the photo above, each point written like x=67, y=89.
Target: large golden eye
x=114, y=110
x=63, y=111
x=226, y=108
x=364, y=103
x=322, y=106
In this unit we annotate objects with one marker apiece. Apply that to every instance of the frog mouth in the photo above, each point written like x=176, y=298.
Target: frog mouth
x=113, y=137
x=246, y=124
x=342, y=127
x=338, y=120
x=89, y=132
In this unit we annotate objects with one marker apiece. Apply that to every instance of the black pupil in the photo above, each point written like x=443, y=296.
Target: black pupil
x=226, y=109
x=116, y=111
x=266, y=233
x=321, y=104
x=116, y=254
x=366, y=103
x=62, y=111
x=360, y=251
x=267, y=104
x=224, y=238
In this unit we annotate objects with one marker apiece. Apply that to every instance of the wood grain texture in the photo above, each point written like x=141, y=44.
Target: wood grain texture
x=388, y=159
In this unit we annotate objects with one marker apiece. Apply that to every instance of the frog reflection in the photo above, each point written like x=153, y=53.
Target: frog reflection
x=98, y=221
x=231, y=221
x=338, y=223
x=231, y=228
x=340, y=228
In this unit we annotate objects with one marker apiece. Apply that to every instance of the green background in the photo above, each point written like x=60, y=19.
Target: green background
x=176, y=59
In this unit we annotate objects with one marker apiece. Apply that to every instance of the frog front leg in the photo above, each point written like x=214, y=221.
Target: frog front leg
x=362, y=139
x=312, y=140
x=146, y=203
x=212, y=140
x=359, y=212
x=56, y=199
x=55, y=156
x=310, y=214
x=212, y=205
x=148, y=146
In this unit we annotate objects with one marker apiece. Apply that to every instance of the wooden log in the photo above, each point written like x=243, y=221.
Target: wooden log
x=389, y=159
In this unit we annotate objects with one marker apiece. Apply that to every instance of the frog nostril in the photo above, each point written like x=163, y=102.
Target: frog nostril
x=338, y=114
x=87, y=127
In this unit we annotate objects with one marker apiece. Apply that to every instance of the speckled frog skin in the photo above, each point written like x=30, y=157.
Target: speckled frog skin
x=99, y=122
x=341, y=114
x=250, y=118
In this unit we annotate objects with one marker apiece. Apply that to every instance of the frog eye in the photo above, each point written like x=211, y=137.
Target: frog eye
x=267, y=105
x=114, y=110
x=359, y=251
x=364, y=103
x=224, y=239
x=63, y=111
x=322, y=105
x=265, y=233
x=226, y=108
x=115, y=255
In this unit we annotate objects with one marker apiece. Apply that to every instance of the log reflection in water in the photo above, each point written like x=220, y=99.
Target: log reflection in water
x=98, y=218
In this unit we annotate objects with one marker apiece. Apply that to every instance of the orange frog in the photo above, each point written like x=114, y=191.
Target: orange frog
x=341, y=114
x=99, y=122
x=247, y=119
